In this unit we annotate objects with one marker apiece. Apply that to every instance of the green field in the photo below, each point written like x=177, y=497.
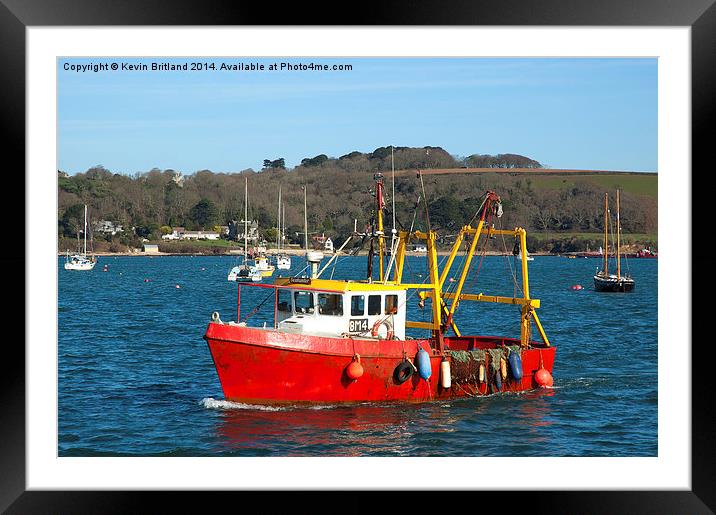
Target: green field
x=638, y=184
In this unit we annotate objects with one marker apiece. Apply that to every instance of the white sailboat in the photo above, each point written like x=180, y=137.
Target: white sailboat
x=283, y=261
x=80, y=261
x=247, y=271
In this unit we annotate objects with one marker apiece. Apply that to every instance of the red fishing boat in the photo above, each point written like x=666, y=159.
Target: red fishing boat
x=340, y=341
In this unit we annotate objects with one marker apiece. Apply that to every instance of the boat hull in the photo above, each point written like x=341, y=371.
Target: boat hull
x=266, y=366
x=80, y=266
x=613, y=285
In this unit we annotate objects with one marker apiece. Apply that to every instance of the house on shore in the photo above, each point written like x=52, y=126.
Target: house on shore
x=107, y=227
x=179, y=233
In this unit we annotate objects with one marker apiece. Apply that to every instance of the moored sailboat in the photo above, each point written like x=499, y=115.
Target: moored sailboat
x=247, y=271
x=603, y=280
x=80, y=260
x=283, y=261
x=346, y=341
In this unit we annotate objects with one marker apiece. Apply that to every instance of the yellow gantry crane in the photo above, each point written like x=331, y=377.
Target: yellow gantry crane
x=444, y=304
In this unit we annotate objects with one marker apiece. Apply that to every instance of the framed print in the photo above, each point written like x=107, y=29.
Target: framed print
x=101, y=412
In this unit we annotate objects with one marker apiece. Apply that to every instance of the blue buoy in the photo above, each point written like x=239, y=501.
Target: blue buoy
x=515, y=365
x=498, y=380
x=422, y=362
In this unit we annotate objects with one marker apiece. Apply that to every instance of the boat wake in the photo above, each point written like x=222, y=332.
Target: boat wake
x=211, y=403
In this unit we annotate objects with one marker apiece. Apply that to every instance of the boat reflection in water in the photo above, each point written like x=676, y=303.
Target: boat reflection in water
x=372, y=429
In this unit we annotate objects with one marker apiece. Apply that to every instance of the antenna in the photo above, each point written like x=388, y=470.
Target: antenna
x=305, y=220
x=278, y=221
x=392, y=165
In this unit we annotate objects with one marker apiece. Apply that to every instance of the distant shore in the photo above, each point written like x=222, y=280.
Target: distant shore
x=292, y=252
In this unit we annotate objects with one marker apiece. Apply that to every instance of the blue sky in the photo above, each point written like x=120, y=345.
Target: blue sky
x=565, y=113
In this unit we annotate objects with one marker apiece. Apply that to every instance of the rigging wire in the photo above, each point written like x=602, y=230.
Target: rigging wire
x=513, y=272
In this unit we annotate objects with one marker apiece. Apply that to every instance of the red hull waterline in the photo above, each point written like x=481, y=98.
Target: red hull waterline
x=265, y=366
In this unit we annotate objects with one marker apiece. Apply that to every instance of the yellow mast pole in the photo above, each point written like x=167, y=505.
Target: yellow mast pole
x=523, y=249
x=619, y=269
x=400, y=257
x=453, y=253
x=606, y=232
x=527, y=312
x=436, y=293
x=465, y=268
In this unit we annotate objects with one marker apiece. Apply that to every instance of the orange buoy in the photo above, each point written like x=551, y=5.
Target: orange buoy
x=577, y=287
x=543, y=378
x=355, y=369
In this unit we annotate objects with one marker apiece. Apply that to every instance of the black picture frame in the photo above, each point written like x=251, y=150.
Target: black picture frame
x=699, y=15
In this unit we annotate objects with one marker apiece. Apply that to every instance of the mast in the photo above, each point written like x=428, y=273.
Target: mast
x=85, y=231
x=619, y=230
x=379, y=213
x=606, y=232
x=246, y=217
x=283, y=224
x=278, y=222
x=392, y=166
x=305, y=222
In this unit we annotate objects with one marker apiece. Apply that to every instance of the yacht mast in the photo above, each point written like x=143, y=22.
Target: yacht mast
x=305, y=221
x=278, y=233
x=619, y=230
x=85, y=232
x=246, y=217
x=606, y=232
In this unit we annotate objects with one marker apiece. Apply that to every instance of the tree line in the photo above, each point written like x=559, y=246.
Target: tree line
x=338, y=192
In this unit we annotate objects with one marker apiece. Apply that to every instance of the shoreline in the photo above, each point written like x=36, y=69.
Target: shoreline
x=292, y=254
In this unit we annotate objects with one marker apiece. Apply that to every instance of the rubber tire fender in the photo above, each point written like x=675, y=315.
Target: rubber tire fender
x=403, y=372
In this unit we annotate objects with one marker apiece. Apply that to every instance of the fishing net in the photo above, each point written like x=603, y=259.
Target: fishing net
x=516, y=349
x=465, y=366
x=495, y=355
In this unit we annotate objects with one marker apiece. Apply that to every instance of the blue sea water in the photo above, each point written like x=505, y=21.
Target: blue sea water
x=135, y=377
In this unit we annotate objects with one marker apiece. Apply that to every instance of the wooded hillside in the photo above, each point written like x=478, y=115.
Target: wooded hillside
x=339, y=192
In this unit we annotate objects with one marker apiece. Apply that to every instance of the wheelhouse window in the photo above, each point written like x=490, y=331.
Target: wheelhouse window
x=391, y=304
x=284, y=301
x=374, y=304
x=330, y=304
x=357, y=305
x=303, y=300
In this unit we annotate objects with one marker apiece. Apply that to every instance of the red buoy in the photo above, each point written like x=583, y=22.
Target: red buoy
x=543, y=378
x=577, y=287
x=355, y=369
